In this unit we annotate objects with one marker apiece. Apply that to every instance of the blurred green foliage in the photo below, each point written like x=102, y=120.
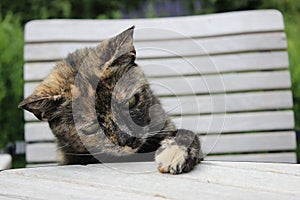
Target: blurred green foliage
x=11, y=79
x=77, y=9
x=213, y=6
x=291, y=12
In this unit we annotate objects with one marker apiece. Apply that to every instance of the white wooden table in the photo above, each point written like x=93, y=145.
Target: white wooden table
x=210, y=180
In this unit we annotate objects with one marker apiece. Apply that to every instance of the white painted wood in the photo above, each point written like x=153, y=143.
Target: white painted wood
x=249, y=142
x=38, y=131
x=266, y=157
x=214, y=64
x=37, y=70
x=218, y=103
x=236, y=102
x=61, y=189
x=29, y=88
x=237, y=122
x=5, y=161
x=211, y=144
x=220, y=83
x=42, y=165
x=187, y=66
x=208, y=84
x=210, y=46
x=41, y=152
x=260, y=166
x=168, y=48
x=28, y=116
x=191, y=26
x=210, y=180
x=285, y=157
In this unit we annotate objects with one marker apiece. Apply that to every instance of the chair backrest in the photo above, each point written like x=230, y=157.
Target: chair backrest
x=224, y=76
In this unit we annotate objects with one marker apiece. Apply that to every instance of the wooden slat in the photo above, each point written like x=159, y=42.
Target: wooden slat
x=187, y=66
x=258, y=121
x=269, y=157
x=220, y=83
x=34, y=165
x=169, y=48
x=28, y=116
x=5, y=161
x=251, y=142
x=210, y=83
x=289, y=157
x=37, y=70
x=29, y=88
x=39, y=131
x=218, y=103
x=238, y=122
x=215, y=64
x=209, y=46
x=41, y=152
x=237, y=102
x=209, y=25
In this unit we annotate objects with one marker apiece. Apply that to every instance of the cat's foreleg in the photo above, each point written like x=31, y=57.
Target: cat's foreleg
x=179, y=152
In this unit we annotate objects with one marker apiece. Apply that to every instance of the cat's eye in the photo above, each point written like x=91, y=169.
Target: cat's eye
x=133, y=101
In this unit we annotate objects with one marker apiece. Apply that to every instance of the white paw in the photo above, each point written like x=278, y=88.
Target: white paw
x=171, y=159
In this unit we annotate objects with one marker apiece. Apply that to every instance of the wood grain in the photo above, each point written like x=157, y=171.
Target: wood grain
x=210, y=180
x=209, y=84
x=36, y=71
x=166, y=28
x=211, y=144
x=168, y=48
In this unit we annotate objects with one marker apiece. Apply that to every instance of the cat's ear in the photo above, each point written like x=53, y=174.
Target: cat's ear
x=41, y=104
x=119, y=50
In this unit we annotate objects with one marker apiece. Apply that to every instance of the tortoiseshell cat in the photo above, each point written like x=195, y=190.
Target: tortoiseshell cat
x=100, y=108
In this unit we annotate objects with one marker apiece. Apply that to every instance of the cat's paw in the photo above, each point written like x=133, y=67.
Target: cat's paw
x=171, y=159
x=174, y=158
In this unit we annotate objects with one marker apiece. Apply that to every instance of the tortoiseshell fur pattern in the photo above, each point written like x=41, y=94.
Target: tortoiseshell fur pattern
x=85, y=101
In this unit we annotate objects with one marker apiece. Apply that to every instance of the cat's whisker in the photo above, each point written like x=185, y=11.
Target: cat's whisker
x=174, y=108
x=68, y=143
x=159, y=131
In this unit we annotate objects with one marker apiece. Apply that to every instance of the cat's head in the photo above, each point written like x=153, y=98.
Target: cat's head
x=98, y=99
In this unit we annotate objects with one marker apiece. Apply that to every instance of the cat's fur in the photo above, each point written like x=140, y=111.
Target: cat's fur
x=85, y=100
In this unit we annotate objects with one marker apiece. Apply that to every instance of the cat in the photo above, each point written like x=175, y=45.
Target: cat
x=100, y=108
